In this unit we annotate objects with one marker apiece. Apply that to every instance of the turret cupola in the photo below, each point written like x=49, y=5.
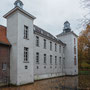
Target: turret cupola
x=18, y=3
x=66, y=27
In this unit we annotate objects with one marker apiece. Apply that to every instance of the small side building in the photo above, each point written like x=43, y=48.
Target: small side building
x=4, y=56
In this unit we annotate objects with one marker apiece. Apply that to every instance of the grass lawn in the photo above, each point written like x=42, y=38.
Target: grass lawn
x=82, y=72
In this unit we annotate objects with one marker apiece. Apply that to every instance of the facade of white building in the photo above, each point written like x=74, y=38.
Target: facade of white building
x=36, y=54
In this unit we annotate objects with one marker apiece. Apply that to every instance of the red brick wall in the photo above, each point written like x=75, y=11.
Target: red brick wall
x=4, y=58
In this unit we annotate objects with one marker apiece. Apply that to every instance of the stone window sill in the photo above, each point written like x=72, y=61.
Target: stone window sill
x=26, y=61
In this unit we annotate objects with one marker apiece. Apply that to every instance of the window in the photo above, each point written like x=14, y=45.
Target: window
x=55, y=47
x=37, y=41
x=44, y=58
x=44, y=43
x=74, y=41
x=25, y=32
x=50, y=45
x=26, y=67
x=55, y=66
x=74, y=60
x=74, y=49
x=44, y=66
x=59, y=60
x=37, y=58
x=63, y=49
x=26, y=54
x=4, y=66
x=37, y=67
x=59, y=48
x=56, y=60
x=63, y=62
x=50, y=66
x=50, y=59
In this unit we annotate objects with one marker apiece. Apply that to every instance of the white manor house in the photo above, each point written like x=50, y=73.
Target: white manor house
x=36, y=54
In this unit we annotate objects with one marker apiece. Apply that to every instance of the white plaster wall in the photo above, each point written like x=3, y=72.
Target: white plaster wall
x=25, y=75
x=18, y=74
x=15, y=33
x=75, y=66
x=69, y=54
x=47, y=72
x=12, y=25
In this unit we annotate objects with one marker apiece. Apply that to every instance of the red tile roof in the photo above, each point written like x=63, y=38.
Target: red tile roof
x=3, y=35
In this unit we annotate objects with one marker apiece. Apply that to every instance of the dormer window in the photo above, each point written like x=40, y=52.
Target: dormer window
x=42, y=32
x=59, y=48
x=26, y=35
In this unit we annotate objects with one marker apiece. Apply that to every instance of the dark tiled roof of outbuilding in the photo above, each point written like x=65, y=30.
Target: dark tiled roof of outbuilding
x=46, y=34
x=3, y=35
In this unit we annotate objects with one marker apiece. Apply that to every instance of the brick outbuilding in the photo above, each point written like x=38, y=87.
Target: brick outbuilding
x=4, y=55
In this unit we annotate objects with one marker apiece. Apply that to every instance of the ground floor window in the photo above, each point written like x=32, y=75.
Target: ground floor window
x=4, y=66
x=74, y=60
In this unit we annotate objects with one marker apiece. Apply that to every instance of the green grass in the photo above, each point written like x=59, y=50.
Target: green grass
x=84, y=72
x=85, y=65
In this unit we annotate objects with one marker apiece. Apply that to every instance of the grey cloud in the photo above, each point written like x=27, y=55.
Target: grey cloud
x=51, y=14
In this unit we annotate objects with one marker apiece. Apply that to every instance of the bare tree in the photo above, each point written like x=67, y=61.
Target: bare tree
x=86, y=3
x=86, y=18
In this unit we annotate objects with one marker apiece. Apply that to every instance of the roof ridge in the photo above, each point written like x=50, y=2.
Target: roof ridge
x=46, y=34
x=3, y=26
x=61, y=34
x=44, y=30
x=20, y=9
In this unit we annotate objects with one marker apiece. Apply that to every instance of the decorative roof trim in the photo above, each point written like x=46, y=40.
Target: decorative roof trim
x=20, y=9
x=5, y=44
x=45, y=36
x=62, y=34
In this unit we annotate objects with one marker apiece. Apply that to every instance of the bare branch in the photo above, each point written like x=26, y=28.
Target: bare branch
x=86, y=18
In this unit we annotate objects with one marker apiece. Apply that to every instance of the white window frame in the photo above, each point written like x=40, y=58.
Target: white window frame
x=26, y=54
x=37, y=41
x=51, y=46
x=51, y=59
x=55, y=60
x=4, y=66
x=55, y=47
x=37, y=57
x=45, y=56
x=26, y=32
x=44, y=43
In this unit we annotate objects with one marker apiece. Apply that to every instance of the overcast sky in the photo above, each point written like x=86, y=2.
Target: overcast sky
x=50, y=14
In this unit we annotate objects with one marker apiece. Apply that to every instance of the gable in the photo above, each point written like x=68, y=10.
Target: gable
x=3, y=35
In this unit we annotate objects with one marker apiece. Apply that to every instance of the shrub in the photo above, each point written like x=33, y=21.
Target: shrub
x=85, y=65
